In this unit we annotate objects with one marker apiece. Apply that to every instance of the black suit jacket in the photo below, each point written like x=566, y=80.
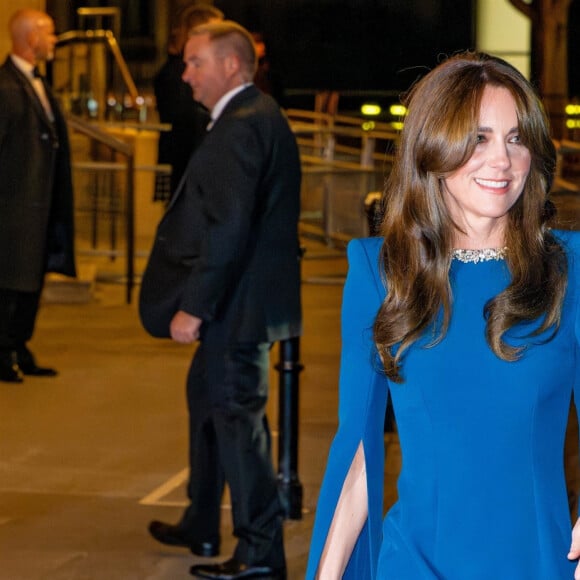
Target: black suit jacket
x=36, y=201
x=227, y=248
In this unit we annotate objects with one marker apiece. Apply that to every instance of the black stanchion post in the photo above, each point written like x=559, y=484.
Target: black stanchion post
x=373, y=211
x=289, y=485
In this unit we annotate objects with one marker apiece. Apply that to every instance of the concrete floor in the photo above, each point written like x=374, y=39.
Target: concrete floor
x=88, y=458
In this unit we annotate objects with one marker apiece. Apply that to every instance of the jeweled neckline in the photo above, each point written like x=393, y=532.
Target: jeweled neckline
x=475, y=256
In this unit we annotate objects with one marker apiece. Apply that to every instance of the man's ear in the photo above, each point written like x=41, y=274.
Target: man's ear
x=232, y=64
x=32, y=38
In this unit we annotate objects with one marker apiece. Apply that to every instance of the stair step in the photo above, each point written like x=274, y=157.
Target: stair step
x=59, y=289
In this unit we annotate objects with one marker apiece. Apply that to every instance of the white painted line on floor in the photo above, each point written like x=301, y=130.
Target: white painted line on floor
x=157, y=495
x=165, y=489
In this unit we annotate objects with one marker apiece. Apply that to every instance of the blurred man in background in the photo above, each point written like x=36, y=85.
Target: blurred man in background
x=36, y=195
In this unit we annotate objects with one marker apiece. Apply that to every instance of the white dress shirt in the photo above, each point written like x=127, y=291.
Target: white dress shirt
x=221, y=104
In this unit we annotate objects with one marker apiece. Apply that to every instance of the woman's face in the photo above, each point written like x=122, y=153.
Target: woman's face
x=480, y=193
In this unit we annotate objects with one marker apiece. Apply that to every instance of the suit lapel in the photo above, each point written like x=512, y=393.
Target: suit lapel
x=38, y=106
x=29, y=89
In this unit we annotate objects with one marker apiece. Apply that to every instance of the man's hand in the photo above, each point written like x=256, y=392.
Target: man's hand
x=184, y=327
x=574, y=553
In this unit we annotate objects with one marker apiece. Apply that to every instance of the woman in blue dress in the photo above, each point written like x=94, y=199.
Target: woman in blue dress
x=467, y=312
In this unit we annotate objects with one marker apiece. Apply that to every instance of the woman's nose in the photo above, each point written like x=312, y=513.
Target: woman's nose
x=499, y=155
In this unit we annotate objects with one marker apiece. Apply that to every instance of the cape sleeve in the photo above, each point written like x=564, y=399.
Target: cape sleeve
x=571, y=241
x=363, y=392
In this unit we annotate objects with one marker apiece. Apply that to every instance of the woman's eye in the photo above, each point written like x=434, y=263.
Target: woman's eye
x=480, y=138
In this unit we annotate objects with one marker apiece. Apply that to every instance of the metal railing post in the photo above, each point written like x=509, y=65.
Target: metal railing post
x=130, y=263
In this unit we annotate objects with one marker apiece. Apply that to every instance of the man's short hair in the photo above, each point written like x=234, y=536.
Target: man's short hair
x=231, y=36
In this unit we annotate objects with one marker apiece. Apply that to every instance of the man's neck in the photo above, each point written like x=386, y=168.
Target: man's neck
x=22, y=63
x=27, y=55
x=225, y=99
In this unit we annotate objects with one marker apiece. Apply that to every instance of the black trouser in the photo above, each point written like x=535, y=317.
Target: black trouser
x=227, y=391
x=18, y=312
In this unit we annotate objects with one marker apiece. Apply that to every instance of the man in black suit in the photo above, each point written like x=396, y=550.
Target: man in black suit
x=36, y=202
x=224, y=270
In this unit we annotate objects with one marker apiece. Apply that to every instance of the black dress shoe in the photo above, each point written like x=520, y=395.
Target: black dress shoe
x=171, y=535
x=234, y=570
x=10, y=373
x=36, y=371
x=28, y=366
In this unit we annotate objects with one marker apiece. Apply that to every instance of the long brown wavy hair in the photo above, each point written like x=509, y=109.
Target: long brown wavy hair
x=439, y=136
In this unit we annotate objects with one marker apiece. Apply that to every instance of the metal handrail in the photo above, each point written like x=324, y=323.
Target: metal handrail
x=321, y=131
x=108, y=38
x=565, y=147
x=94, y=132
x=91, y=130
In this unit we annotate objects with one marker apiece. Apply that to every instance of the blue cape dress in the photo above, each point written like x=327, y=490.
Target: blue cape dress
x=482, y=492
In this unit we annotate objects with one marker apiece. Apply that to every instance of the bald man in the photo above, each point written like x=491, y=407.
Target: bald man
x=36, y=202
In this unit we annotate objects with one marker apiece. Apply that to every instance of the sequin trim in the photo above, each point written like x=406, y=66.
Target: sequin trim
x=475, y=256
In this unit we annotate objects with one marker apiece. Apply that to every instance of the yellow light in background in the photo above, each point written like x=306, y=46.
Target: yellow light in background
x=398, y=110
x=368, y=126
x=573, y=123
x=370, y=110
x=572, y=109
x=397, y=125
